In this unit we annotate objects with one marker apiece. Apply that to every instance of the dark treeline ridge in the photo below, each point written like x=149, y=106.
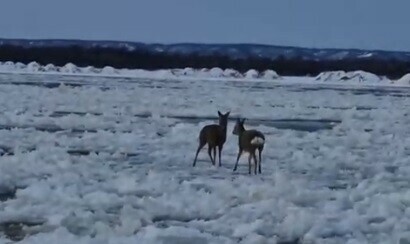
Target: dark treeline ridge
x=141, y=59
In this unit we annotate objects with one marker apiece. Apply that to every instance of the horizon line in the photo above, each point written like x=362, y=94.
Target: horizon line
x=202, y=43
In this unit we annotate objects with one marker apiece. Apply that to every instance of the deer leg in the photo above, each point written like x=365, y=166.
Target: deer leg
x=249, y=162
x=237, y=159
x=201, y=145
x=214, y=154
x=219, y=154
x=256, y=162
x=209, y=153
x=260, y=160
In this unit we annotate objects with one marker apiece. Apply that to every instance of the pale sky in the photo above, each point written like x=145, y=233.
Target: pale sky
x=369, y=24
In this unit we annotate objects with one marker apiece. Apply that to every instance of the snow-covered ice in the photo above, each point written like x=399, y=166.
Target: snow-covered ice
x=215, y=74
x=405, y=80
x=109, y=160
x=187, y=73
x=352, y=77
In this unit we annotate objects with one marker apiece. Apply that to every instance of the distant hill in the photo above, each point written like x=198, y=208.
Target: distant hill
x=230, y=50
x=286, y=61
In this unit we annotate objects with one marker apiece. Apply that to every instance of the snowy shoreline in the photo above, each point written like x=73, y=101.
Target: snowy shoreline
x=354, y=78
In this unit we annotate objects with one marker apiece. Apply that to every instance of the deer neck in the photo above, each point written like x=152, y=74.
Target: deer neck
x=224, y=129
x=241, y=131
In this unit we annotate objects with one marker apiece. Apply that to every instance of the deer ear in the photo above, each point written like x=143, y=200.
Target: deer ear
x=243, y=121
x=227, y=114
x=219, y=113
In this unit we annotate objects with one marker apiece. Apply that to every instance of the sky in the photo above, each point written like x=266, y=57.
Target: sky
x=365, y=24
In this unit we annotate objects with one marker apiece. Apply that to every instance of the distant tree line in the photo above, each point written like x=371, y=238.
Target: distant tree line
x=142, y=59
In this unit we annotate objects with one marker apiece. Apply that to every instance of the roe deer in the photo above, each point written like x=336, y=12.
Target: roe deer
x=215, y=136
x=249, y=141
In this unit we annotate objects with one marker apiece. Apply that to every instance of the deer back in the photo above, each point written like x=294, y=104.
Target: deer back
x=213, y=134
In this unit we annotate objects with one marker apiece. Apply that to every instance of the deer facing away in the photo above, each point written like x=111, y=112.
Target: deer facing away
x=249, y=141
x=215, y=136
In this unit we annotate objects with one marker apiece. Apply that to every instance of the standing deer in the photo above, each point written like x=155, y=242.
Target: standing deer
x=215, y=136
x=249, y=141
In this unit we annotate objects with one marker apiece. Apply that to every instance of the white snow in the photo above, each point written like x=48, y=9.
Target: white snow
x=405, y=80
x=190, y=73
x=349, y=77
x=252, y=74
x=48, y=68
x=365, y=55
x=346, y=184
x=109, y=70
x=31, y=67
x=232, y=73
x=216, y=72
x=270, y=74
x=356, y=78
x=69, y=68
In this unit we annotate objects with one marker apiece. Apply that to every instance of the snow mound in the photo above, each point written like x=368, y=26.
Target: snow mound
x=269, y=74
x=352, y=76
x=252, y=74
x=216, y=72
x=91, y=70
x=8, y=66
x=34, y=67
x=188, y=71
x=232, y=73
x=50, y=68
x=405, y=80
x=70, y=68
x=8, y=63
x=183, y=72
x=108, y=71
x=20, y=66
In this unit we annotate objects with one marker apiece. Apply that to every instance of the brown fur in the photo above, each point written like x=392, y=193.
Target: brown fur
x=245, y=138
x=215, y=136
